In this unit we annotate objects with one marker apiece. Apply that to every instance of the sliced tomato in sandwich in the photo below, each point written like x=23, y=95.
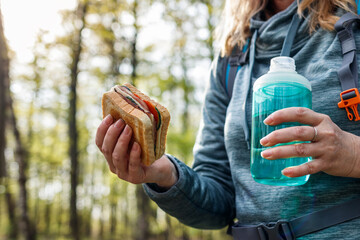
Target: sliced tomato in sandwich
x=154, y=112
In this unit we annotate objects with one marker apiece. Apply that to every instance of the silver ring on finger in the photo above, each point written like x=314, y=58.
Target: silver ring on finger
x=315, y=135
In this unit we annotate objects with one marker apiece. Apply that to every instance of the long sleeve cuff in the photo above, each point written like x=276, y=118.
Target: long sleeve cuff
x=157, y=193
x=196, y=201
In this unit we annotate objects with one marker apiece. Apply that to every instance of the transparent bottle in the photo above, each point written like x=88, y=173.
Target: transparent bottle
x=281, y=87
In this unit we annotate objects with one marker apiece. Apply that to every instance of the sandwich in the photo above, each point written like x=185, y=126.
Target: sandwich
x=148, y=119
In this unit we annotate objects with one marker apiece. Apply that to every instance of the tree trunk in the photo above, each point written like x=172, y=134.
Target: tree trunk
x=47, y=217
x=142, y=229
x=134, y=60
x=59, y=219
x=30, y=139
x=101, y=223
x=4, y=75
x=126, y=211
x=185, y=234
x=187, y=92
x=4, y=78
x=210, y=40
x=113, y=219
x=113, y=208
x=13, y=228
x=168, y=230
x=21, y=158
x=6, y=104
x=73, y=131
x=88, y=220
x=36, y=207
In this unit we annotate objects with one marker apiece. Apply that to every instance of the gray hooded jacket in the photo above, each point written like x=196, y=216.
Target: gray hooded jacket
x=219, y=186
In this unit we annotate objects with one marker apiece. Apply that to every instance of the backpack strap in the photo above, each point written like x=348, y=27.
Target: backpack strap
x=303, y=225
x=289, y=39
x=348, y=72
x=237, y=59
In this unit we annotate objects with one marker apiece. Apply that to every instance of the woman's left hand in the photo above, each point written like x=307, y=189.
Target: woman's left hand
x=333, y=150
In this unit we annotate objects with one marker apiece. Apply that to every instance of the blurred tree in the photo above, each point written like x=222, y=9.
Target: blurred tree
x=11, y=208
x=110, y=43
x=210, y=26
x=34, y=77
x=4, y=83
x=114, y=206
x=76, y=48
x=136, y=28
x=120, y=48
x=21, y=158
x=4, y=75
x=213, y=8
x=144, y=210
x=42, y=117
x=183, y=58
x=20, y=151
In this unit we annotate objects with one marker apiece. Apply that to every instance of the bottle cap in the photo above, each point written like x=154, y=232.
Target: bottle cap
x=282, y=64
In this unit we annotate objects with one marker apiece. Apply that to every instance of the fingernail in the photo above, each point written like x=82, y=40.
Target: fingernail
x=269, y=120
x=266, y=153
x=264, y=141
x=127, y=130
x=108, y=119
x=119, y=123
x=287, y=171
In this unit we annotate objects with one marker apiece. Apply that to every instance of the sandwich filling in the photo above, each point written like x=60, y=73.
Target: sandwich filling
x=145, y=106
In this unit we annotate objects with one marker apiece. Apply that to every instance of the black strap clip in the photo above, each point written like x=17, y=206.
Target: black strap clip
x=237, y=57
x=280, y=230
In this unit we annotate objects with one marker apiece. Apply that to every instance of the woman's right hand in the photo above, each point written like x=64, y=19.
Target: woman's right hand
x=113, y=140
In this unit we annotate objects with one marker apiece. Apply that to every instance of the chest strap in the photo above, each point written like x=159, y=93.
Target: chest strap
x=236, y=60
x=348, y=72
x=290, y=230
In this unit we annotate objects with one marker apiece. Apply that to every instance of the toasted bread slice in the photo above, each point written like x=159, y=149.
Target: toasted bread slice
x=165, y=121
x=117, y=107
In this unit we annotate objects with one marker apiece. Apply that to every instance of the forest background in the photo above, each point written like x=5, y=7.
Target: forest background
x=54, y=182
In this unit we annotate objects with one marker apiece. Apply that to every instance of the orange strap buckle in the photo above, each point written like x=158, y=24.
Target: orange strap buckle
x=351, y=103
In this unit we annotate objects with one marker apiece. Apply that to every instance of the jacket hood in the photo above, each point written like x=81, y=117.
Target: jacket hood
x=272, y=32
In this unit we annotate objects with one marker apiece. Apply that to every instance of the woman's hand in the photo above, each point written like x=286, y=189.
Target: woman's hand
x=334, y=151
x=113, y=140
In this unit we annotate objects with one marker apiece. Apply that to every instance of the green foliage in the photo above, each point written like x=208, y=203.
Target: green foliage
x=181, y=144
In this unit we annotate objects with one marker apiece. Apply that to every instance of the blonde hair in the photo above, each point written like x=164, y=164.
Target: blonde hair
x=235, y=25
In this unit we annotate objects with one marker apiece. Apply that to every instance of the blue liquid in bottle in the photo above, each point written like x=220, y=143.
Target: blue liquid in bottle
x=280, y=88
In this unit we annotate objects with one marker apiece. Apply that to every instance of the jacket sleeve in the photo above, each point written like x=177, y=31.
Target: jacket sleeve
x=203, y=197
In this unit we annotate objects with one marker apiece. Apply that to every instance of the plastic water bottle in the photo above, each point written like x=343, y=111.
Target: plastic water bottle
x=281, y=87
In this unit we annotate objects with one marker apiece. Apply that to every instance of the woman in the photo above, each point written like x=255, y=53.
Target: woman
x=219, y=186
